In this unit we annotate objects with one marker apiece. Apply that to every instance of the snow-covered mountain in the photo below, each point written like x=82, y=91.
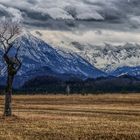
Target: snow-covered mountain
x=132, y=71
x=39, y=58
x=108, y=57
x=76, y=60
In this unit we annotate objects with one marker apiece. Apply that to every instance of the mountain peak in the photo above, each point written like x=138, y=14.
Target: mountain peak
x=36, y=54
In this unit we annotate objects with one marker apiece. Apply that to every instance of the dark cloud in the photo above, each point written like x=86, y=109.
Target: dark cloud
x=64, y=14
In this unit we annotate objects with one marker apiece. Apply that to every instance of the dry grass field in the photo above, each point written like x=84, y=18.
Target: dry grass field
x=58, y=117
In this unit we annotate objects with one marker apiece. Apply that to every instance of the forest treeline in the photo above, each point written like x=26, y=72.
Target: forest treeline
x=49, y=84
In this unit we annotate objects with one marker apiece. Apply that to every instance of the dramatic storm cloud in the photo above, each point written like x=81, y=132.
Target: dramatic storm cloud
x=77, y=16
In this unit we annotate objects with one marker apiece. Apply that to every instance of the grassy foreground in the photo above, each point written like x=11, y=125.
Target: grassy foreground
x=58, y=117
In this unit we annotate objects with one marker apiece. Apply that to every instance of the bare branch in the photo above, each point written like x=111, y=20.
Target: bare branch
x=9, y=31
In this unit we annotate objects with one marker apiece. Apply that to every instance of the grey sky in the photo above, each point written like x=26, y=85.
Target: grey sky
x=84, y=16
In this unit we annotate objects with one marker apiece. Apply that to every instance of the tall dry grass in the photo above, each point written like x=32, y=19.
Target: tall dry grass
x=59, y=117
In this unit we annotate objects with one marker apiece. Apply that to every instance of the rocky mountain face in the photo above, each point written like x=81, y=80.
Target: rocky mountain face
x=108, y=57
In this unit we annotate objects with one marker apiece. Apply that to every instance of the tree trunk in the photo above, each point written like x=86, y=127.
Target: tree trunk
x=8, y=96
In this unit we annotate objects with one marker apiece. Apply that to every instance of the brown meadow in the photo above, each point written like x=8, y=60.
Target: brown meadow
x=75, y=117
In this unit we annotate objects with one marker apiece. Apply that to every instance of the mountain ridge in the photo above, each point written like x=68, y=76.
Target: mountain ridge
x=126, y=70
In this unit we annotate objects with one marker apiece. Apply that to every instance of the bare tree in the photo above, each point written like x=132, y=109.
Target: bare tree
x=9, y=32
